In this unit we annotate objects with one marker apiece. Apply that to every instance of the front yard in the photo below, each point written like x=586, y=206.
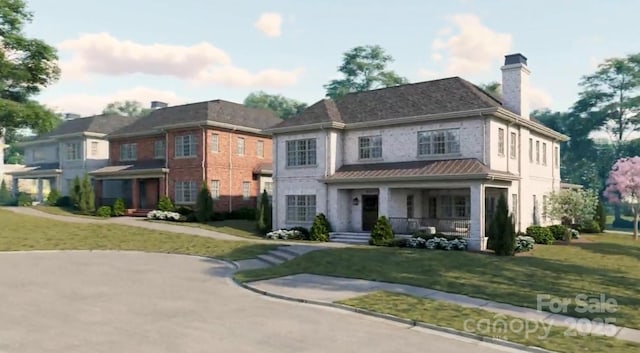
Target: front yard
x=604, y=264
x=20, y=232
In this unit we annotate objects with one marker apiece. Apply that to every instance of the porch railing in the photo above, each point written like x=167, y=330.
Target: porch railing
x=456, y=227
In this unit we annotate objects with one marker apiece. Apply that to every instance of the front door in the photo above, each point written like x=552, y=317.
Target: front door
x=369, y=211
x=142, y=194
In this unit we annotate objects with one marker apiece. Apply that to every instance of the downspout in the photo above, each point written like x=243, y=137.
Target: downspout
x=166, y=163
x=204, y=163
x=326, y=169
x=519, y=205
x=275, y=196
x=484, y=139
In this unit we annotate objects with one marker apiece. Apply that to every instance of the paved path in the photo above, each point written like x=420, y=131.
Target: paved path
x=108, y=302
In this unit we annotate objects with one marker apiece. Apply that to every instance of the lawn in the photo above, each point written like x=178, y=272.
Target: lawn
x=607, y=264
x=238, y=227
x=454, y=316
x=63, y=211
x=20, y=232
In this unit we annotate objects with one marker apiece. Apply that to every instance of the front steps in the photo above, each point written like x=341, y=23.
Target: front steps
x=349, y=238
x=276, y=256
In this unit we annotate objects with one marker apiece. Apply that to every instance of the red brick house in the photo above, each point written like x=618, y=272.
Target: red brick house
x=174, y=149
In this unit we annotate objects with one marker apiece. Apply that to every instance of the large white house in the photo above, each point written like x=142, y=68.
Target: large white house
x=427, y=155
x=75, y=147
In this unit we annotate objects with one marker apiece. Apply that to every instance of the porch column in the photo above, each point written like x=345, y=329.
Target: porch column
x=383, y=201
x=39, y=186
x=15, y=186
x=135, y=193
x=162, y=187
x=477, y=239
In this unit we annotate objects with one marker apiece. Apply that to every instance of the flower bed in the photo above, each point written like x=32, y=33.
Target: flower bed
x=437, y=243
x=284, y=234
x=164, y=215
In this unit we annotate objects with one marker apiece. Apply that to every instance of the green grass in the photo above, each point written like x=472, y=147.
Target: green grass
x=454, y=316
x=238, y=227
x=20, y=232
x=606, y=265
x=64, y=211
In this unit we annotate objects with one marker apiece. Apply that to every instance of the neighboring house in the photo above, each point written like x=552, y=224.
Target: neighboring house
x=174, y=149
x=435, y=154
x=72, y=149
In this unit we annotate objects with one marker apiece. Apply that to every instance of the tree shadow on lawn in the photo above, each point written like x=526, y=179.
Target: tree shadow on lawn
x=614, y=249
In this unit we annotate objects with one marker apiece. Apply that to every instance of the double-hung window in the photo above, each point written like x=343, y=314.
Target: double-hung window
x=513, y=145
x=438, y=142
x=215, y=189
x=186, y=191
x=301, y=153
x=73, y=151
x=128, y=152
x=186, y=146
x=500, y=141
x=370, y=147
x=159, y=149
x=301, y=208
x=260, y=149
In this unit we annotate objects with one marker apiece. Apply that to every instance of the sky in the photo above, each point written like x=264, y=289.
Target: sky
x=197, y=50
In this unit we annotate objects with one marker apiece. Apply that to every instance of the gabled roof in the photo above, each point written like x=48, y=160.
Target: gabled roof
x=100, y=124
x=441, y=96
x=216, y=111
x=441, y=169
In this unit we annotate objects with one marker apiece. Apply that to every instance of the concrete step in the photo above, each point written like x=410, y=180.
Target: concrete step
x=272, y=260
x=282, y=255
x=350, y=238
x=298, y=250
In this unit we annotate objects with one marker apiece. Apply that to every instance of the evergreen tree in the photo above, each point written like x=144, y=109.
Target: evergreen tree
x=382, y=233
x=74, y=193
x=601, y=216
x=502, y=233
x=5, y=194
x=165, y=204
x=264, y=213
x=86, y=196
x=204, y=204
x=320, y=228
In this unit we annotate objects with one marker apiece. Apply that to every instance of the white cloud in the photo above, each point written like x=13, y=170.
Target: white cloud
x=101, y=53
x=539, y=98
x=88, y=104
x=270, y=24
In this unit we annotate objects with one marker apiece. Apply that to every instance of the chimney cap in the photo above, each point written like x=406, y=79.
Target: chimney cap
x=512, y=59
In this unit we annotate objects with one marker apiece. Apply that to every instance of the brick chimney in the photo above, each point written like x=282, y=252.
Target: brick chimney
x=515, y=84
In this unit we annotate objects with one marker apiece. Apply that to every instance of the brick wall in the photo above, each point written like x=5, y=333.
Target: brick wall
x=144, y=149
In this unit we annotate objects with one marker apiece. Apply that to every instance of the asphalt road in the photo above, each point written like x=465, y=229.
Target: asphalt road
x=135, y=302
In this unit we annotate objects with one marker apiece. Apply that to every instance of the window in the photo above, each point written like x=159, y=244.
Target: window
x=215, y=143
x=544, y=153
x=185, y=192
x=186, y=146
x=159, y=149
x=370, y=147
x=94, y=148
x=513, y=146
x=438, y=142
x=72, y=151
x=455, y=207
x=530, y=150
x=37, y=155
x=128, y=152
x=301, y=152
x=246, y=190
x=557, y=156
x=433, y=207
x=215, y=189
x=514, y=207
x=240, y=146
x=260, y=149
x=268, y=186
x=537, y=152
x=501, y=141
x=410, y=206
x=301, y=208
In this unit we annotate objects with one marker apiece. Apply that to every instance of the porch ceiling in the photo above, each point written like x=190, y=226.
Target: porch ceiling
x=36, y=171
x=465, y=169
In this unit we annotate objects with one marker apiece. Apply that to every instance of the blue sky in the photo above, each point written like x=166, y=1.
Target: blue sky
x=194, y=50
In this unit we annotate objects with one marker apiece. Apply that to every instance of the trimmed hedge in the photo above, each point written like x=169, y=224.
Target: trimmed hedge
x=559, y=231
x=541, y=235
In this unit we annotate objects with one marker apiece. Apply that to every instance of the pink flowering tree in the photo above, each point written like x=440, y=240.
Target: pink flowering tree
x=623, y=186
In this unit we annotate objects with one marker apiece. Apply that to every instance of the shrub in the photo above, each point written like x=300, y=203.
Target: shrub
x=284, y=234
x=502, y=232
x=541, y=235
x=264, y=213
x=524, y=243
x=601, y=216
x=320, y=228
x=184, y=210
x=425, y=236
x=204, y=204
x=574, y=234
x=304, y=232
x=119, y=208
x=24, y=199
x=249, y=214
x=5, y=194
x=381, y=232
x=219, y=216
x=86, y=197
x=74, y=193
x=591, y=226
x=53, y=197
x=399, y=242
x=165, y=215
x=64, y=201
x=104, y=211
x=559, y=231
x=165, y=204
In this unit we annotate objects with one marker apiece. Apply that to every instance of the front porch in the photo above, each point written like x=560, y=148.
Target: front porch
x=36, y=180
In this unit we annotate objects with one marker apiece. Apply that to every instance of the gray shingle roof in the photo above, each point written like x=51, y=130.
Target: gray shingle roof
x=102, y=124
x=217, y=111
x=432, y=97
x=130, y=167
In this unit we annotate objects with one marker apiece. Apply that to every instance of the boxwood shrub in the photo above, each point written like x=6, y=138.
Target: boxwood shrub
x=542, y=235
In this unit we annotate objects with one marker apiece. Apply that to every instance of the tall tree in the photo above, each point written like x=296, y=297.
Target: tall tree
x=27, y=65
x=364, y=68
x=623, y=186
x=282, y=106
x=611, y=98
x=126, y=108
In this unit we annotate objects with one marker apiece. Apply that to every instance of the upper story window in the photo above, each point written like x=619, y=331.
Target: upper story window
x=544, y=153
x=501, y=141
x=215, y=143
x=73, y=151
x=260, y=149
x=186, y=146
x=159, y=149
x=537, y=152
x=556, y=152
x=530, y=150
x=370, y=147
x=301, y=152
x=513, y=146
x=128, y=152
x=437, y=142
x=240, y=146
x=37, y=155
x=94, y=148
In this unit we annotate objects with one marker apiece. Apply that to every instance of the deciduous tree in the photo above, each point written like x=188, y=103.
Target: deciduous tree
x=623, y=186
x=126, y=108
x=572, y=206
x=282, y=106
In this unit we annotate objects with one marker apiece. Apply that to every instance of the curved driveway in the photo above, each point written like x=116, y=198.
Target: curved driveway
x=82, y=301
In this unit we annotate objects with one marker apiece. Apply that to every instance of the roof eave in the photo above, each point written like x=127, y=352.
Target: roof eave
x=537, y=127
x=482, y=176
x=305, y=127
x=34, y=172
x=150, y=171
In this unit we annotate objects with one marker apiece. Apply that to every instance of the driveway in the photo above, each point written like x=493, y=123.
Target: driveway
x=82, y=301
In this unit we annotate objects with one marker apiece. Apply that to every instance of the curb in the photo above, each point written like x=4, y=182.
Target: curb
x=408, y=322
